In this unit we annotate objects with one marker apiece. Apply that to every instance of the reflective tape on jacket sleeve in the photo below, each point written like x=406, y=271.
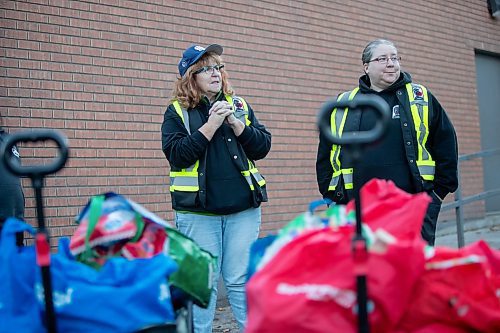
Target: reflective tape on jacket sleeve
x=347, y=175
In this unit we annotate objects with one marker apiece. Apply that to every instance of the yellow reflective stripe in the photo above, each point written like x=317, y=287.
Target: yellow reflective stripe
x=184, y=188
x=425, y=121
x=427, y=170
x=428, y=163
x=347, y=175
x=335, y=180
x=178, y=109
x=248, y=178
x=418, y=122
x=335, y=152
x=427, y=177
x=192, y=174
x=186, y=179
x=258, y=177
x=332, y=187
x=347, y=171
x=337, y=124
x=333, y=122
x=420, y=114
x=253, y=172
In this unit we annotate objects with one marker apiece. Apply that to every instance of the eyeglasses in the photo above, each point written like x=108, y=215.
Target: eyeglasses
x=383, y=60
x=209, y=69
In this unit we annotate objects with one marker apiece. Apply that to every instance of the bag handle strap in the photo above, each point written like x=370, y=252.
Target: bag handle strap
x=10, y=228
x=139, y=222
x=319, y=203
x=94, y=213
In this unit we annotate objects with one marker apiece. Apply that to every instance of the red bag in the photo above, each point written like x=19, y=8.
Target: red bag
x=385, y=206
x=309, y=286
x=458, y=289
x=436, y=328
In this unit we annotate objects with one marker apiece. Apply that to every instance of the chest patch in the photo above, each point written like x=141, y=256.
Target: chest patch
x=395, y=112
x=418, y=93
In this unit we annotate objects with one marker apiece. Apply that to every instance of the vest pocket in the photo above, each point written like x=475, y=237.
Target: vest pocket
x=184, y=200
x=259, y=193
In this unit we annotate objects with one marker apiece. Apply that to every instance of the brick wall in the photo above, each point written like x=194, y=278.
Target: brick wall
x=102, y=71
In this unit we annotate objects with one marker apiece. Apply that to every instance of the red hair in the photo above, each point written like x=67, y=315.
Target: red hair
x=186, y=90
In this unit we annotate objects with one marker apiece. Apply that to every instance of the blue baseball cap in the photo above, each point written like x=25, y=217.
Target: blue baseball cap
x=192, y=54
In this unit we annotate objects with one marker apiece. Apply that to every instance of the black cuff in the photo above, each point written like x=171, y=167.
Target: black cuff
x=441, y=193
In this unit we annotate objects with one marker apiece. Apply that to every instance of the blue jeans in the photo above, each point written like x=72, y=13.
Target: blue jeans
x=228, y=237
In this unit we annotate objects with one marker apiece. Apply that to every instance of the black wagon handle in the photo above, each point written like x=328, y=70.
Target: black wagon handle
x=354, y=143
x=360, y=137
x=37, y=173
x=36, y=136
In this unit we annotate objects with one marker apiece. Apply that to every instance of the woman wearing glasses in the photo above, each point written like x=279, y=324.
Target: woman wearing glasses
x=211, y=139
x=418, y=152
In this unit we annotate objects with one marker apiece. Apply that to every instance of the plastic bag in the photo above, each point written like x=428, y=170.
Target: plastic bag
x=18, y=308
x=123, y=296
x=196, y=267
x=111, y=226
x=459, y=289
x=310, y=284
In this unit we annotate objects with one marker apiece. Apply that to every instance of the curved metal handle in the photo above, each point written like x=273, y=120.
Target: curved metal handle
x=359, y=137
x=35, y=136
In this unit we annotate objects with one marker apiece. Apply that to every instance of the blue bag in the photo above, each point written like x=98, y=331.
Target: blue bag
x=257, y=251
x=18, y=309
x=123, y=296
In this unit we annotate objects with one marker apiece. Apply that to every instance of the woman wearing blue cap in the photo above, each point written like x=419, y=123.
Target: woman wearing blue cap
x=212, y=139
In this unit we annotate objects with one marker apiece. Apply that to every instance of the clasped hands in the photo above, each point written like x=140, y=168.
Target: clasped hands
x=223, y=112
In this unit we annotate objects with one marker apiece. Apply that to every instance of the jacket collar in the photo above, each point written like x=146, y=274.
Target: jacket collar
x=204, y=99
x=364, y=83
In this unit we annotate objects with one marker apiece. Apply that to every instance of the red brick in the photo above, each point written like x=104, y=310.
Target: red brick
x=105, y=72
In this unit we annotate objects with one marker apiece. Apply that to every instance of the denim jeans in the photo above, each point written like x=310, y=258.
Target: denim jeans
x=228, y=237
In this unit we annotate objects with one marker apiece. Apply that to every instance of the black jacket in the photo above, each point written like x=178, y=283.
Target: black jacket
x=11, y=192
x=394, y=156
x=223, y=189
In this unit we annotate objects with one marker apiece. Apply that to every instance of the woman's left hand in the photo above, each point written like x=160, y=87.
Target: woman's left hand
x=236, y=125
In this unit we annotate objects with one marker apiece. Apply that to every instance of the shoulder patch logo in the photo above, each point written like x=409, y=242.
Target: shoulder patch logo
x=418, y=93
x=238, y=104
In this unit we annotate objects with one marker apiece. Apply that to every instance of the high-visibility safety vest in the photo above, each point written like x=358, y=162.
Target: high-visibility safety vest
x=419, y=106
x=186, y=180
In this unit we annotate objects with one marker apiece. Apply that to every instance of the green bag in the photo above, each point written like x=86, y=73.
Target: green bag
x=196, y=267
